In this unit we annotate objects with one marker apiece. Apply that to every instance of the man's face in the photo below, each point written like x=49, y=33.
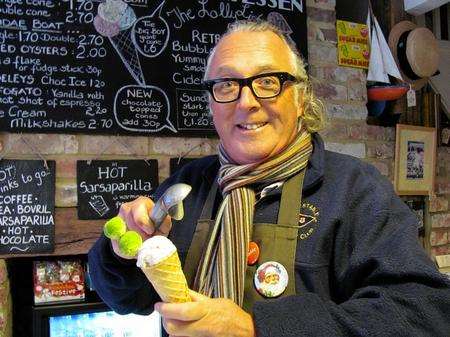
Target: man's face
x=252, y=129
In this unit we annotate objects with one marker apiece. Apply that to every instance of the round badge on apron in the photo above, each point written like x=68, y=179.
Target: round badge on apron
x=253, y=253
x=271, y=279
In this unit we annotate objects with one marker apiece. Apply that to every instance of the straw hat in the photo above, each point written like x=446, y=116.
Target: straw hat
x=416, y=51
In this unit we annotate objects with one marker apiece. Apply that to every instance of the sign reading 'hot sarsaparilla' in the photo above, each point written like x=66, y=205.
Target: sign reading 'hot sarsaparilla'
x=27, y=206
x=104, y=185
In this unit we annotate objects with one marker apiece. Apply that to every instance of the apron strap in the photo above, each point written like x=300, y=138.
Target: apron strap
x=290, y=205
x=209, y=203
x=278, y=242
x=201, y=235
x=291, y=199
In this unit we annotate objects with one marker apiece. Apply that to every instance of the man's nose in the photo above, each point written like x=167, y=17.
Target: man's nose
x=248, y=100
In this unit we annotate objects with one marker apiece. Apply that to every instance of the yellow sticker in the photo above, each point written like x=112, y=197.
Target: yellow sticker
x=353, y=44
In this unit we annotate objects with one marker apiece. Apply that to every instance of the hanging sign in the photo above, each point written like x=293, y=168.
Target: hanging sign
x=104, y=185
x=177, y=163
x=27, y=206
x=353, y=44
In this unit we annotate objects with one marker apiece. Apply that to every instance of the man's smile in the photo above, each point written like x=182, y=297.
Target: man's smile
x=251, y=126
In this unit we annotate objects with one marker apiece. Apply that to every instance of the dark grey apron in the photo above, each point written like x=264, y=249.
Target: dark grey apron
x=277, y=242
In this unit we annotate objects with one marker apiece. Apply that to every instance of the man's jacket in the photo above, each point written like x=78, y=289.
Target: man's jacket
x=360, y=270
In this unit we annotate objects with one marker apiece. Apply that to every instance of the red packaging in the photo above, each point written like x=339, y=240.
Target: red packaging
x=58, y=281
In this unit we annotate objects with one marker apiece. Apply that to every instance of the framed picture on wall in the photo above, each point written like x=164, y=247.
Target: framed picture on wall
x=415, y=160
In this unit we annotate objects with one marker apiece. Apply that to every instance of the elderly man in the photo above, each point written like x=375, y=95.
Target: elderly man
x=280, y=237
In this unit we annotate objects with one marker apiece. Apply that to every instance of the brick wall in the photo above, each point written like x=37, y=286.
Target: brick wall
x=439, y=205
x=342, y=89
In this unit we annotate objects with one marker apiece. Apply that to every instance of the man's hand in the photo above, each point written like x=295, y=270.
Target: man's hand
x=205, y=317
x=136, y=215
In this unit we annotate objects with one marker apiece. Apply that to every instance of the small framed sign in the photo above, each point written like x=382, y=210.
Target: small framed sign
x=415, y=160
x=103, y=185
x=27, y=206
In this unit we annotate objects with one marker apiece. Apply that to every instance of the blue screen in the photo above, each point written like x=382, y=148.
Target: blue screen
x=105, y=324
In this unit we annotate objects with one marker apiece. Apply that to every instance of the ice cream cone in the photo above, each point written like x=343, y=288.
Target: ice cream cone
x=114, y=20
x=128, y=53
x=158, y=259
x=168, y=279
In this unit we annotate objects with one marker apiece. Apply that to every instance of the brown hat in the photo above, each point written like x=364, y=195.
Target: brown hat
x=416, y=52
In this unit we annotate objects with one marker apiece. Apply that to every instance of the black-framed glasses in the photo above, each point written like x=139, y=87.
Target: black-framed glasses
x=268, y=85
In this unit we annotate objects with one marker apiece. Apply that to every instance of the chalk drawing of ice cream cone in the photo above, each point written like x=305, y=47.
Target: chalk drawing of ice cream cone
x=114, y=20
x=279, y=21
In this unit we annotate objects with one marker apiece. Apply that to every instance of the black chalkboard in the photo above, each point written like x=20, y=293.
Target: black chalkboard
x=103, y=185
x=354, y=11
x=116, y=67
x=177, y=163
x=27, y=206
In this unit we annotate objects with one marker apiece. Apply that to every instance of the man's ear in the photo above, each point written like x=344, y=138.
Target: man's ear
x=300, y=110
x=300, y=102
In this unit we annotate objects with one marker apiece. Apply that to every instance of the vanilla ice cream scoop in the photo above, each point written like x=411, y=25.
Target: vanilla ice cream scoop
x=158, y=259
x=154, y=250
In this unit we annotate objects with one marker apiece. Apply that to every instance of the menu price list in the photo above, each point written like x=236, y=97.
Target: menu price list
x=48, y=55
x=128, y=67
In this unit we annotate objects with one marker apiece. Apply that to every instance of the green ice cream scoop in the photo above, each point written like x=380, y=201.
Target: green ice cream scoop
x=129, y=243
x=115, y=228
x=170, y=203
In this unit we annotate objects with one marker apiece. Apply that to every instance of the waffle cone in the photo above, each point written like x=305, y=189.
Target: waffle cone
x=128, y=52
x=168, y=279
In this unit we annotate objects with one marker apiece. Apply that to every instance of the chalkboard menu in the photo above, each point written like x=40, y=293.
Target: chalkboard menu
x=104, y=185
x=119, y=67
x=177, y=163
x=27, y=206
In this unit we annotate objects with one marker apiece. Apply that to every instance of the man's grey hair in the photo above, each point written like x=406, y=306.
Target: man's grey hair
x=313, y=109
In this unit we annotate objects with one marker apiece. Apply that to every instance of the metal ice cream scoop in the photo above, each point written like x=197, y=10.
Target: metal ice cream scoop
x=171, y=202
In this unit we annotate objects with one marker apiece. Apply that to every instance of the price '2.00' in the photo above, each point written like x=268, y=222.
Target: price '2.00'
x=93, y=52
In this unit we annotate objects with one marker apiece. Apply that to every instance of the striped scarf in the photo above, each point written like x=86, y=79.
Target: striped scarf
x=221, y=272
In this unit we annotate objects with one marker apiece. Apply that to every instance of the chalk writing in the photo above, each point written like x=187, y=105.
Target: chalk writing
x=27, y=204
x=119, y=67
x=103, y=185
